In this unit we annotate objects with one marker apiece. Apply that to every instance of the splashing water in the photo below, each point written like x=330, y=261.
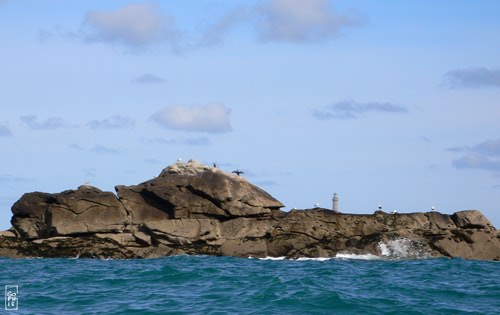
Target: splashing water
x=357, y=256
x=403, y=248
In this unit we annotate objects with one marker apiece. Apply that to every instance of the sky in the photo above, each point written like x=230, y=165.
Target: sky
x=392, y=103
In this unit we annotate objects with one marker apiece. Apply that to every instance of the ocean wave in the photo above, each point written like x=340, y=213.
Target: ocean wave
x=295, y=259
x=313, y=258
x=337, y=256
x=214, y=285
x=270, y=258
x=357, y=256
x=403, y=248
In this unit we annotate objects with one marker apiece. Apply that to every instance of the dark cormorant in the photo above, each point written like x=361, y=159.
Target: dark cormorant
x=238, y=172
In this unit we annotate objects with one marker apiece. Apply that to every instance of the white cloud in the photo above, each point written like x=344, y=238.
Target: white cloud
x=473, y=78
x=100, y=149
x=89, y=172
x=480, y=156
x=48, y=124
x=215, y=33
x=133, y=25
x=213, y=118
x=142, y=25
x=4, y=131
x=300, y=21
x=148, y=78
x=152, y=161
x=478, y=161
x=265, y=182
x=352, y=110
x=489, y=148
x=104, y=150
x=76, y=146
x=8, y=178
x=185, y=141
x=112, y=122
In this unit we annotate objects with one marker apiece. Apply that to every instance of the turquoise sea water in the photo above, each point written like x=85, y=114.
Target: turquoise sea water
x=226, y=285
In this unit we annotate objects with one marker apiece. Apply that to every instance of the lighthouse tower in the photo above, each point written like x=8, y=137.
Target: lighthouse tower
x=335, y=203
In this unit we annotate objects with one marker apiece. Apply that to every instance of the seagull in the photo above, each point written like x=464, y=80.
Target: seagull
x=238, y=172
x=179, y=160
x=433, y=208
x=316, y=205
x=394, y=212
x=379, y=207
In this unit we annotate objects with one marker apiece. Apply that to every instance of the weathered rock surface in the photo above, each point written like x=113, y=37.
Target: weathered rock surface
x=194, y=191
x=195, y=209
x=72, y=212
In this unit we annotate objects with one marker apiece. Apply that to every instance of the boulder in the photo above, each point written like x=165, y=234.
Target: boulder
x=72, y=212
x=472, y=219
x=469, y=244
x=192, y=190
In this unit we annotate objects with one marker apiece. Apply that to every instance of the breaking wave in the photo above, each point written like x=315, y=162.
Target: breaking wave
x=295, y=259
x=357, y=256
x=395, y=249
x=403, y=248
x=270, y=258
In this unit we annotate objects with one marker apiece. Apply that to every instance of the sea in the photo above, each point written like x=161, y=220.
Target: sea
x=345, y=284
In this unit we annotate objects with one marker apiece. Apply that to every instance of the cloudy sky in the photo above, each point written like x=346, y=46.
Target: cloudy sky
x=394, y=103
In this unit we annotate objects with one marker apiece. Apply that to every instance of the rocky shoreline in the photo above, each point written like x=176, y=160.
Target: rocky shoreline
x=191, y=208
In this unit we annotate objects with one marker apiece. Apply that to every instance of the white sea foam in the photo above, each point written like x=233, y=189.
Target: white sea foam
x=313, y=259
x=397, y=248
x=403, y=248
x=295, y=259
x=357, y=256
x=271, y=258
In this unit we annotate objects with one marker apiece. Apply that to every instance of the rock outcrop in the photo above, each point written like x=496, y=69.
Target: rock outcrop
x=72, y=212
x=195, y=209
x=194, y=191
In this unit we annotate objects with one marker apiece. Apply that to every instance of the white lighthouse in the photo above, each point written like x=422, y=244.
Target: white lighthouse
x=335, y=203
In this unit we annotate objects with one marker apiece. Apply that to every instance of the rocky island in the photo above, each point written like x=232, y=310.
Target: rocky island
x=191, y=208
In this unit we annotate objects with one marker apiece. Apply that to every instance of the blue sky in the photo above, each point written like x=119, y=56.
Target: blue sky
x=384, y=102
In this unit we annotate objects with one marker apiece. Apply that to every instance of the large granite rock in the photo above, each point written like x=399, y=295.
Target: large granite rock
x=195, y=209
x=72, y=212
x=192, y=190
